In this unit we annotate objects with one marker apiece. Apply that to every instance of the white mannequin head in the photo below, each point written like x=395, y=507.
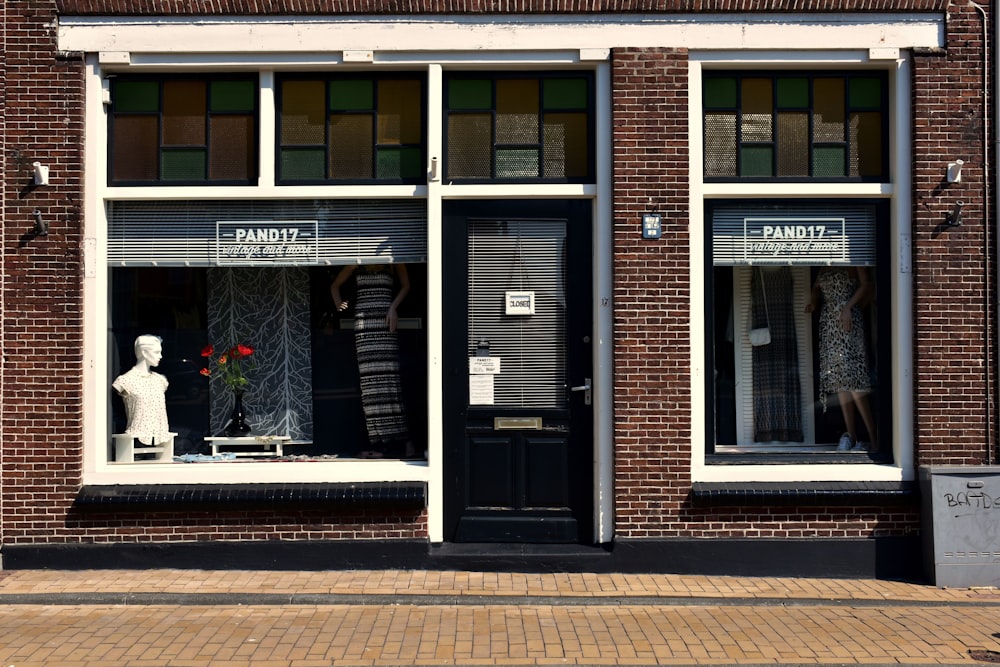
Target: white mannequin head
x=148, y=350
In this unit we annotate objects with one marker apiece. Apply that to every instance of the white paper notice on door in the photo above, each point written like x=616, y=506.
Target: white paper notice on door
x=480, y=390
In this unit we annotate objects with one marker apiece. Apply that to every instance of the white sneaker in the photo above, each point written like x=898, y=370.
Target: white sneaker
x=860, y=447
x=845, y=443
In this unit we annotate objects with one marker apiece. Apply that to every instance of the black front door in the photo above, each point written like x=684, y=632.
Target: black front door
x=518, y=450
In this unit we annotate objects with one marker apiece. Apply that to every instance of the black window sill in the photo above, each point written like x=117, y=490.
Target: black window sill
x=412, y=495
x=802, y=493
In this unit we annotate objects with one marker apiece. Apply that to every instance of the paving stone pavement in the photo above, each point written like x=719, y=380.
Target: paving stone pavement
x=181, y=618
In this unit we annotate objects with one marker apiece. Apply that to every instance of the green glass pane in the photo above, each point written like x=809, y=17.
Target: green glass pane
x=396, y=163
x=136, y=96
x=352, y=95
x=865, y=92
x=135, y=148
x=566, y=151
x=400, y=120
x=470, y=94
x=793, y=92
x=517, y=163
x=829, y=162
x=564, y=93
x=756, y=161
x=184, y=113
x=183, y=165
x=302, y=164
x=303, y=113
x=720, y=92
x=233, y=96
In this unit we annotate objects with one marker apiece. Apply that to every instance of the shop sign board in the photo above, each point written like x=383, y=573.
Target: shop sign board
x=794, y=241
x=519, y=302
x=270, y=242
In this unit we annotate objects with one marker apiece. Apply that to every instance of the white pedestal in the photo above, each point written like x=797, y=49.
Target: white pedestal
x=249, y=445
x=126, y=448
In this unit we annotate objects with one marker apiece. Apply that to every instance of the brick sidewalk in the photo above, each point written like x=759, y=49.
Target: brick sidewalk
x=220, y=618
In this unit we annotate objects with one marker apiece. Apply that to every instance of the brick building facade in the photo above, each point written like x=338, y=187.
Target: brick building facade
x=678, y=157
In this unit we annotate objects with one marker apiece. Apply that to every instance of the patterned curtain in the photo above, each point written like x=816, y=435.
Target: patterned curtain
x=267, y=309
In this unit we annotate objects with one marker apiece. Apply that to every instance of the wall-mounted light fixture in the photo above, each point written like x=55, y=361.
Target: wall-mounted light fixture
x=41, y=227
x=954, y=219
x=955, y=171
x=41, y=173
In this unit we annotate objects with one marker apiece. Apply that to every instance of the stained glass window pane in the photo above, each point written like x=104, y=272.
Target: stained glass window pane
x=396, y=163
x=185, y=164
x=470, y=145
x=137, y=96
x=135, y=148
x=470, y=94
x=351, y=146
x=302, y=163
x=400, y=120
x=184, y=110
x=828, y=161
x=865, y=92
x=566, y=149
x=352, y=95
x=517, y=163
x=720, y=92
x=828, y=110
x=231, y=149
x=233, y=96
x=517, y=112
x=303, y=113
x=720, y=144
x=564, y=93
x=757, y=96
x=866, y=143
x=756, y=161
x=793, y=92
x=793, y=144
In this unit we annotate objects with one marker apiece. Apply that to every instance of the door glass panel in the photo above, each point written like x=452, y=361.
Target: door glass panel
x=524, y=256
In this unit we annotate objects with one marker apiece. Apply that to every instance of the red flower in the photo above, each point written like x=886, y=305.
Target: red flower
x=244, y=350
x=208, y=351
x=206, y=371
x=223, y=359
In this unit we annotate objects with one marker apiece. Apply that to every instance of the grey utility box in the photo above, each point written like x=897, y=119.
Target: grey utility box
x=961, y=525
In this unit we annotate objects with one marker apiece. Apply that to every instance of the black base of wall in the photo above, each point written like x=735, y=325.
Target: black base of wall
x=882, y=558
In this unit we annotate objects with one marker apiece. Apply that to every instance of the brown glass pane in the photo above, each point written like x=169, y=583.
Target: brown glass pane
x=828, y=110
x=231, y=149
x=720, y=144
x=793, y=144
x=303, y=112
x=135, y=152
x=184, y=109
x=517, y=111
x=469, y=145
x=566, y=153
x=757, y=96
x=866, y=144
x=351, y=147
x=400, y=120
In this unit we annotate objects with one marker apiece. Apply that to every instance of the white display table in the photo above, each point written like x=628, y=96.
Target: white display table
x=126, y=449
x=249, y=445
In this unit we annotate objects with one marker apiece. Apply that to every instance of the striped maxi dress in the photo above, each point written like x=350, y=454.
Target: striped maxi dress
x=378, y=358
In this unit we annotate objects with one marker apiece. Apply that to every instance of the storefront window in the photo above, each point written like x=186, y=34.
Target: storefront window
x=800, y=308
x=210, y=277
x=795, y=125
x=351, y=129
x=519, y=128
x=183, y=130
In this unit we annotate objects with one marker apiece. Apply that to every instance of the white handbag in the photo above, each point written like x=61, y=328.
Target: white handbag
x=762, y=335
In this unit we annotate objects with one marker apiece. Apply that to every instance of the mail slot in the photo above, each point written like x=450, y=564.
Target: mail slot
x=517, y=423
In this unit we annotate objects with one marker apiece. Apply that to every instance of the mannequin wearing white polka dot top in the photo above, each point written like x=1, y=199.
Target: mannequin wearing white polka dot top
x=142, y=390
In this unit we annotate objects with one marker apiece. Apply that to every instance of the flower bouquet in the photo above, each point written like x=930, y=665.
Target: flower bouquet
x=231, y=365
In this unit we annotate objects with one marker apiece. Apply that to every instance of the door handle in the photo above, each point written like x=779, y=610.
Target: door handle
x=586, y=389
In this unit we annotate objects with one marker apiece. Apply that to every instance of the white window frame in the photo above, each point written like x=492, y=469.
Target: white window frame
x=896, y=191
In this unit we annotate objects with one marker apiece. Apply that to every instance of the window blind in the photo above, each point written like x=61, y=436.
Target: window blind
x=185, y=233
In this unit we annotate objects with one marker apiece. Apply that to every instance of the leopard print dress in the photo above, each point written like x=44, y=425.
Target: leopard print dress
x=843, y=356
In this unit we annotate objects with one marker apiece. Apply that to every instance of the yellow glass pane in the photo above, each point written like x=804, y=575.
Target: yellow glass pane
x=303, y=112
x=517, y=111
x=758, y=96
x=184, y=111
x=828, y=110
x=866, y=144
x=567, y=153
x=400, y=119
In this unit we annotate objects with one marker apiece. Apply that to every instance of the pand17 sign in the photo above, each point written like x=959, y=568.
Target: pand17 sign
x=794, y=241
x=253, y=242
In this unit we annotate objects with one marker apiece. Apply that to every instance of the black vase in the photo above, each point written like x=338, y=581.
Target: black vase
x=238, y=425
